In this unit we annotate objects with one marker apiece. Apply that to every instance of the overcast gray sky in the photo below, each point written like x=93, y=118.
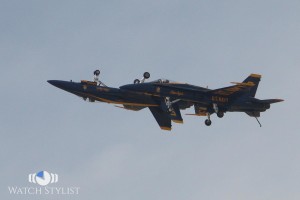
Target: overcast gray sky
x=113, y=154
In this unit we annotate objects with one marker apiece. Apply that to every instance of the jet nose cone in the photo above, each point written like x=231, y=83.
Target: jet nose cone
x=54, y=83
x=68, y=86
x=61, y=84
x=50, y=81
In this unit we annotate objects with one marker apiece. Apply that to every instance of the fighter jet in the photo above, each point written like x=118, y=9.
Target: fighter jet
x=166, y=98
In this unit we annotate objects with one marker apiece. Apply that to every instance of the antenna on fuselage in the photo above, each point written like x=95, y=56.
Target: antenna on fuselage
x=96, y=78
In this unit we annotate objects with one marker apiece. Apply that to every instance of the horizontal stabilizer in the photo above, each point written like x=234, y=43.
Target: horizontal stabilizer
x=269, y=101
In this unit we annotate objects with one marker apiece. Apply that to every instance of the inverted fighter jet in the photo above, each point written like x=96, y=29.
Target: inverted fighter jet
x=165, y=98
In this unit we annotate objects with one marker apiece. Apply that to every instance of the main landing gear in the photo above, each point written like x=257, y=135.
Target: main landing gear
x=208, y=121
x=169, y=104
x=215, y=109
x=220, y=114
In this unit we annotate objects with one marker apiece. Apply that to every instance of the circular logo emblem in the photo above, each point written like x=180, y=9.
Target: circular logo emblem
x=158, y=89
x=43, y=178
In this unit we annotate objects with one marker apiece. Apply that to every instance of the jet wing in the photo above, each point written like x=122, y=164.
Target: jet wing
x=176, y=115
x=129, y=107
x=163, y=119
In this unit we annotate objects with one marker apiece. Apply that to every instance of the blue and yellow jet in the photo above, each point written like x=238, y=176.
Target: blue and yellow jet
x=165, y=98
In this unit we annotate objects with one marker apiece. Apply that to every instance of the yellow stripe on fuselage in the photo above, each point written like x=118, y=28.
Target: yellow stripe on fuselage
x=118, y=102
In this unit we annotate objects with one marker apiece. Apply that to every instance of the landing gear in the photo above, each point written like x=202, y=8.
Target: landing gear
x=215, y=107
x=146, y=75
x=169, y=104
x=96, y=78
x=136, y=81
x=220, y=114
x=97, y=72
x=208, y=121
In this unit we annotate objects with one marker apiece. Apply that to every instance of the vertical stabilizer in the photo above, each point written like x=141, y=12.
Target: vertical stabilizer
x=253, y=79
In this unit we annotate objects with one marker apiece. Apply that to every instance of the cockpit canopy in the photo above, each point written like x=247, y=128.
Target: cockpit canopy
x=162, y=80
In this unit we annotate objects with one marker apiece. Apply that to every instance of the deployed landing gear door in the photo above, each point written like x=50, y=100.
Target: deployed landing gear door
x=172, y=109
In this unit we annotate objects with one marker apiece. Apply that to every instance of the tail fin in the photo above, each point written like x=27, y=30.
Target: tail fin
x=254, y=80
x=249, y=85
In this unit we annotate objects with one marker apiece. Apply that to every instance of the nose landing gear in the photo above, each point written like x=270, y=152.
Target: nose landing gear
x=96, y=78
x=146, y=75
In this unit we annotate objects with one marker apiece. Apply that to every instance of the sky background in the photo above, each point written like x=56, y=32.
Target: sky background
x=112, y=153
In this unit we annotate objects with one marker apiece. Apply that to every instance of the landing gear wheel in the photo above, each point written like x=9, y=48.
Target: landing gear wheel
x=170, y=110
x=97, y=72
x=146, y=75
x=220, y=114
x=136, y=81
x=207, y=122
